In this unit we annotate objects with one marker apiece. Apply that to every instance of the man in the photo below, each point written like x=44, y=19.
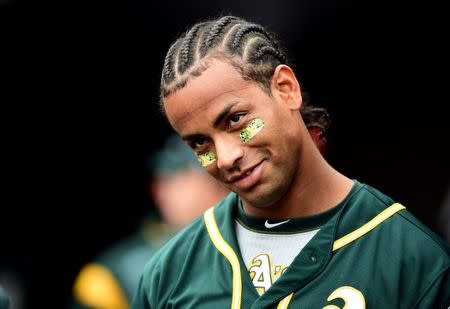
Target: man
x=4, y=299
x=175, y=181
x=294, y=232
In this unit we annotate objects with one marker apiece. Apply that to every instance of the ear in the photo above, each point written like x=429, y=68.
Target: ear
x=284, y=85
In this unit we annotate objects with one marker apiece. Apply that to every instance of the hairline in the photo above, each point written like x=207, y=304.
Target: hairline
x=238, y=64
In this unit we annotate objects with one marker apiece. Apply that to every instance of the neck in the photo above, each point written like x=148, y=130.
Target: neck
x=313, y=190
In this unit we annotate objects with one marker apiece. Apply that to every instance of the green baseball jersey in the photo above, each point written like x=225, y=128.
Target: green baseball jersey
x=111, y=279
x=372, y=253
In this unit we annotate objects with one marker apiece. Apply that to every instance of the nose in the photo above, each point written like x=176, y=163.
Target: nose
x=229, y=150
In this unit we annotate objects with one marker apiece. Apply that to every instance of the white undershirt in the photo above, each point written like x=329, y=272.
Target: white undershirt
x=268, y=255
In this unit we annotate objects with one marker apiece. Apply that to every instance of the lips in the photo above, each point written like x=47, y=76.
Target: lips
x=247, y=179
x=240, y=176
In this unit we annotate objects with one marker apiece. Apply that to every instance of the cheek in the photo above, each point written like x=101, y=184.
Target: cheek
x=251, y=130
x=213, y=171
x=207, y=158
x=282, y=137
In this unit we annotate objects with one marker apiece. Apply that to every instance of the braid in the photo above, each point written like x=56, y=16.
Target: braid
x=168, y=70
x=248, y=47
x=260, y=52
x=266, y=50
x=314, y=116
x=185, y=55
x=241, y=32
x=214, y=33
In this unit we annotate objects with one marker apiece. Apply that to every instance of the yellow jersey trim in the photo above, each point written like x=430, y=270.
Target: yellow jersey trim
x=284, y=303
x=366, y=228
x=230, y=255
x=96, y=287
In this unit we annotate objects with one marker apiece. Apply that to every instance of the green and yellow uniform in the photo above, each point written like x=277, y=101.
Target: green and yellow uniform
x=371, y=253
x=110, y=280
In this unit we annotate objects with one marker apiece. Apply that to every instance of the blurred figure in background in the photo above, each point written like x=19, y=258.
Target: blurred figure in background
x=15, y=288
x=180, y=190
x=4, y=299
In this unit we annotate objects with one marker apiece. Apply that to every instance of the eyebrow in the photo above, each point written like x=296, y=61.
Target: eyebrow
x=223, y=114
x=216, y=122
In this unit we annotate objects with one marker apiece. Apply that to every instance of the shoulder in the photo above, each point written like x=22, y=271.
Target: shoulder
x=195, y=234
x=179, y=258
x=424, y=257
x=86, y=291
x=368, y=194
x=375, y=230
x=163, y=271
x=411, y=228
x=117, y=269
x=392, y=224
x=177, y=248
x=413, y=232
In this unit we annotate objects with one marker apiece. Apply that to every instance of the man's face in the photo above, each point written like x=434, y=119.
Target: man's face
x=246, y=139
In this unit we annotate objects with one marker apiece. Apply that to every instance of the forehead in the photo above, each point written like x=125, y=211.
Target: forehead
x=219, y=84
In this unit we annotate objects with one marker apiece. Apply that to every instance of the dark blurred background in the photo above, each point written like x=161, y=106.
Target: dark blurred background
x=79, y=91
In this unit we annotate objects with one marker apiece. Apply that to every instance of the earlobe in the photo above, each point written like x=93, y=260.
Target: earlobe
x=285, y=85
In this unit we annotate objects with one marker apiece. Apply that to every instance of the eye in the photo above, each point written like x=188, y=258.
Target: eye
x=234, y=119
x=198, y=142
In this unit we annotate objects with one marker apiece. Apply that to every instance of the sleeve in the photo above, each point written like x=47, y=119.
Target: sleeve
x=97, y=287
x=438, y=295
x=140, y=300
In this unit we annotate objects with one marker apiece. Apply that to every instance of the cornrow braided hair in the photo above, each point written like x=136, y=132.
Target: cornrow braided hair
x=186, y=51
x=314, y=116
x=214, y=33
x=250, y=48
x=241, y=32
x=168, y=72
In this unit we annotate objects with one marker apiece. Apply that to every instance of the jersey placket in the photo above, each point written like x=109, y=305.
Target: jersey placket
x=305, y=267
x=308, y=264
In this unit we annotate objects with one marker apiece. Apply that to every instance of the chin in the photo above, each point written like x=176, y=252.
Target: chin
x=262, y=197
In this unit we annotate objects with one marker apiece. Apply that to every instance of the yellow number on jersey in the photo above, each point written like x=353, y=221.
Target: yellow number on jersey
x=353, y=299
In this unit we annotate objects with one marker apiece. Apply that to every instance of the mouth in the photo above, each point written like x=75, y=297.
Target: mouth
x=247, y=179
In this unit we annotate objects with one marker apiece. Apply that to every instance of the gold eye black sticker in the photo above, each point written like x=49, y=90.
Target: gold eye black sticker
x=206, y=158
x=251, y=129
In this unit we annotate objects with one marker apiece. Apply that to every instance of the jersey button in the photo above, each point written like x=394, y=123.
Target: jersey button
x=313, y=257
